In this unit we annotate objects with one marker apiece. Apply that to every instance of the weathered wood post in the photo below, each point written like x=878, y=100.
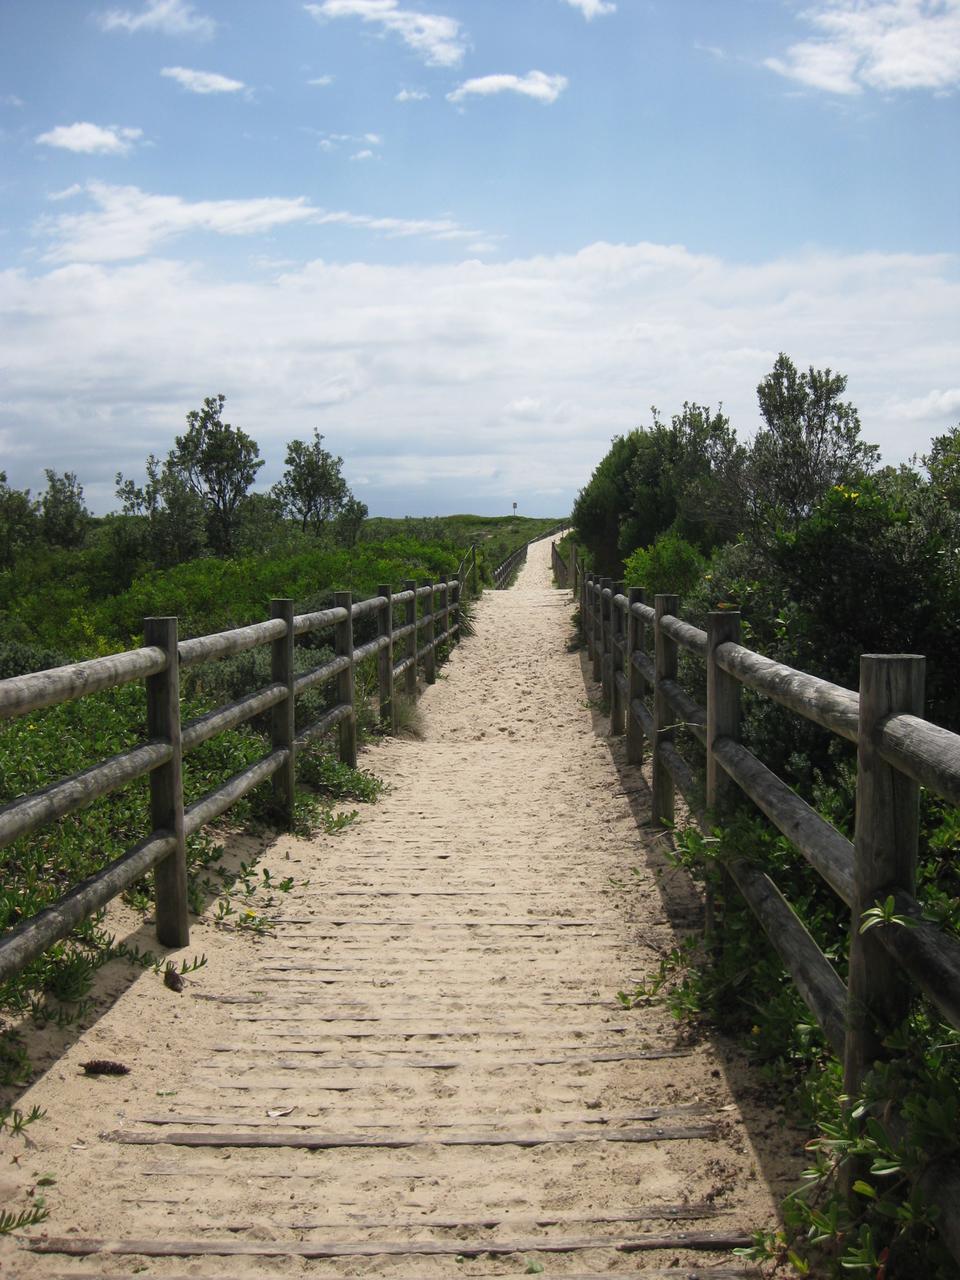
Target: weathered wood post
x=410, y=619
x=723, y=710
x=606, y=635
x=885, y=859
x=617, y=660
x=723, y=721
x=429, y=635
x=666, y=669
x=455, y=639
x=586, y=617
x=573, y=567
x=635, y=681
x=388, y=707
x=475, y=579
x=282, y=714
x=445, y=611
x=343, y=644
x=166, y=785
x=597, y=621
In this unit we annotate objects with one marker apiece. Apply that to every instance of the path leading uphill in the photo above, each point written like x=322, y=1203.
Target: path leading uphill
x=425, y=1072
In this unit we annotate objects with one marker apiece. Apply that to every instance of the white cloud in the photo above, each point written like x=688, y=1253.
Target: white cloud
x=877, y=44
x=366, y=154
x=202, y=81
x=411, y=95
x=321, y=81
x=11, y=100
x=75, y=189
x=528, y=408
x=535, y=84
x=426, y=377
x=439, y=40
x=126, y=222
x=169, y=17
x=333, y=141
x=593, y=8
x=91, y=139
x=936, y=407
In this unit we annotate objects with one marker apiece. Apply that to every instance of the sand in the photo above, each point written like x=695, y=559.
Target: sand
x=431, y=1031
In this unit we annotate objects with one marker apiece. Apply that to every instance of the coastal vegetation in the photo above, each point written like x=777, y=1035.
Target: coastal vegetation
x=827, y=554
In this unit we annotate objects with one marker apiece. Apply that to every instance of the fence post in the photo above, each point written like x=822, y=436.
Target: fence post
x=282, y=715
x=606, y=640
x=166, y=785
x=343, y=642
x=429, y=635
x=885, y=859
x=723, y=721
x=388, y=709
x=617, y=664
x=723, y=708
x=410, y=619
x=666, y=669
x=597, y=626
x=634, y=643
x=445, y=611
x=573, y=567
x=475, y=587
x=455, y=638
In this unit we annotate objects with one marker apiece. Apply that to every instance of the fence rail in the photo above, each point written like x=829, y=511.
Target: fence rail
x=897, y=752
x=431, y=618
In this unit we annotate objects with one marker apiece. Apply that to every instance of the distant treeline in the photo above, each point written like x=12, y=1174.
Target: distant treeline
x=193, y=538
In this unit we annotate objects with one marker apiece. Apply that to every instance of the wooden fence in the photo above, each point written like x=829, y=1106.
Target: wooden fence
x=430, y=617
x=898, y=751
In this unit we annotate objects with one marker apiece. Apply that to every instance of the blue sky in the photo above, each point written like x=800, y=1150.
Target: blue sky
x=469, y=240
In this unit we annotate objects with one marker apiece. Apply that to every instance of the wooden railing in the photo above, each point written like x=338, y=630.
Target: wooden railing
x=430, y=618
x=503, y=573
x=898, y=751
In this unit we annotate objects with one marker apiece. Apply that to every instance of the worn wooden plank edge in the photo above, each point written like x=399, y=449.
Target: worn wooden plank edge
x=329, y=1141
x=724, y=1273
x=78, y=1247
x=598, y=1118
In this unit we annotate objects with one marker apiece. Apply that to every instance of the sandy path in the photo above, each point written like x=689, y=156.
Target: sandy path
x=432, y=1033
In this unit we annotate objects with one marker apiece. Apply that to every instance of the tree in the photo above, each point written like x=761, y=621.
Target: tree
x=943, y=465
x=659, y=478
x=63, y=516
x=18, y=522
x=675, y=480
x=810, y=442
x=173, y=517
x=602, y=503
x=219, y=463
x=313, y=489
x=349, y=521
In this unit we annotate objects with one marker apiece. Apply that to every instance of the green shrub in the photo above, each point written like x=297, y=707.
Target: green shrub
x=670, y=564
